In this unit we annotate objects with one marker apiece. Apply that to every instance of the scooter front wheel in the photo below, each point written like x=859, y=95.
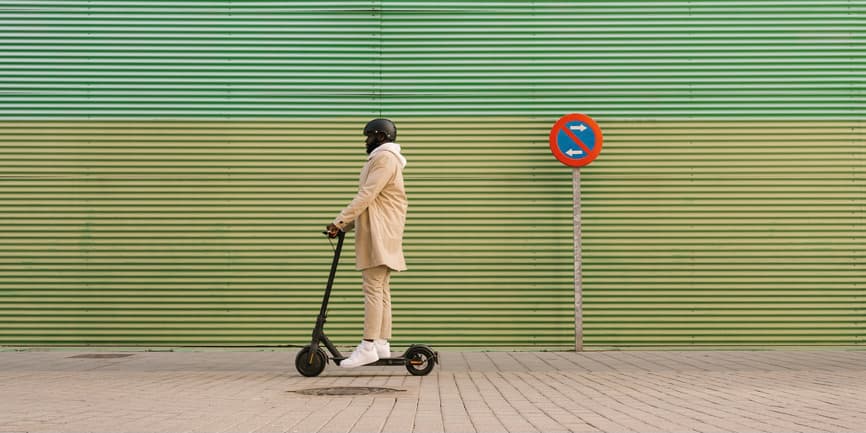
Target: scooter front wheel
x=310, y=366
x=420, y=360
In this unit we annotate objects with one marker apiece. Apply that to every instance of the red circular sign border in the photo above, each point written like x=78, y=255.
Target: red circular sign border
x=571, y=162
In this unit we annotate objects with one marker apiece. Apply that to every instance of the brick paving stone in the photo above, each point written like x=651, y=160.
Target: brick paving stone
x=402, y=417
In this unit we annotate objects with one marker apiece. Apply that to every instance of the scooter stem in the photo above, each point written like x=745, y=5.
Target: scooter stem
x=341, y=235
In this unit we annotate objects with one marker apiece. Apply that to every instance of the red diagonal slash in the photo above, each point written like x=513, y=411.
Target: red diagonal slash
x=576, y=140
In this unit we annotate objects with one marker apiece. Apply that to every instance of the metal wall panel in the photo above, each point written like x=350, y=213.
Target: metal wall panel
x=209, y=233
x=615, y=59
x=726, y=233
x=166, y=165
x=189, y=59
x=626, y=59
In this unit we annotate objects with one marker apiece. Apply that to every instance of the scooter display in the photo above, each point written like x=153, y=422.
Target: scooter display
x=419, y=359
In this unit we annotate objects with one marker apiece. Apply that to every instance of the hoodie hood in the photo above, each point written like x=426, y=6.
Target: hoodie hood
x=389, y=147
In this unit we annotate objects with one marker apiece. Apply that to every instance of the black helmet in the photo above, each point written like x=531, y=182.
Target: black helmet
x=385, y=126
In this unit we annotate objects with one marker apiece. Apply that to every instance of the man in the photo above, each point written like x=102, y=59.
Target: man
x=378, y=214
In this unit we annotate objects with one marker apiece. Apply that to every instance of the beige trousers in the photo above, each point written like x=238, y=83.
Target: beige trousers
x=377, y=302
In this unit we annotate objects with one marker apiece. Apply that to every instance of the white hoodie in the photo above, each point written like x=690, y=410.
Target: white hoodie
x=389, y=147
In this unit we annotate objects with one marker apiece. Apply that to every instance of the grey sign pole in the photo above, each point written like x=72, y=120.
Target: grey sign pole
x=578, y=262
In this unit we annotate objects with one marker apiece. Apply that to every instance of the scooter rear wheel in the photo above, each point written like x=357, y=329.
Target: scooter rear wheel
x=310, y=367
x=420, y=360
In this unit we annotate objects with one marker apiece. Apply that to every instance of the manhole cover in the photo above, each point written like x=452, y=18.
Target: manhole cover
x=347, y=390
x=101, y=355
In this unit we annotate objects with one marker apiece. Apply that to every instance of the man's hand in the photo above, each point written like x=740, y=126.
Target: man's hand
x=333, y=230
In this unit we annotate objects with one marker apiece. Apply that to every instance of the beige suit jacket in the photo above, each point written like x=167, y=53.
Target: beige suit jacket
x=378, y=214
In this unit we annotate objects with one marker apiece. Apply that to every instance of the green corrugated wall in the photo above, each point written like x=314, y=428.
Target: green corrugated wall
x=167, y=166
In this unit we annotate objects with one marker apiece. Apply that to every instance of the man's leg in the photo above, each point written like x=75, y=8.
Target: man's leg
x=385, y=329
x=375, y=283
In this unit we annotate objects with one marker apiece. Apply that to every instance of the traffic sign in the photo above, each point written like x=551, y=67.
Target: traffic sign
x=575, y=140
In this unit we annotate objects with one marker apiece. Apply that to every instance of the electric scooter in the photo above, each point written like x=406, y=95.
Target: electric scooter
x=419, y=359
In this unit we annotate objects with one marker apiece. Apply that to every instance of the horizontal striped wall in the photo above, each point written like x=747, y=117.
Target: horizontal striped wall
x=179, y=233
x=209, y=233
x=726, y=233
x=167, y=164
x=169, y=59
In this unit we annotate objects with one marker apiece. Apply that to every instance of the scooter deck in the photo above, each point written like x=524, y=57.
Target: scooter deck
x=381, y=361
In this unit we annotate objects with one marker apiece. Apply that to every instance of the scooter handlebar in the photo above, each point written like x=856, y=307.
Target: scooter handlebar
x=328, y=234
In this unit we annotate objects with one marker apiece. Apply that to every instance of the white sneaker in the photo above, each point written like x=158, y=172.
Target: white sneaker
x=383, y=348
x=364, y=354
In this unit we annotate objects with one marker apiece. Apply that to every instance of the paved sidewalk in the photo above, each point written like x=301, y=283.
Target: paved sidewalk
x=254, y=391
